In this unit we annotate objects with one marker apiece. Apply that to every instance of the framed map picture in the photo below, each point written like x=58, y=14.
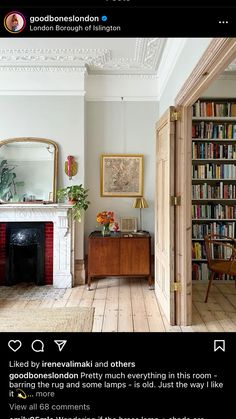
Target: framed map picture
x=122, y=175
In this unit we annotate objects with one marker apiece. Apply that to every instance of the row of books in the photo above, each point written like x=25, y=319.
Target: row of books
x=215, y=211
x=207, y=191
x=198, y=250
x=214, y=131
x=214, y=171
x=217, y=251
x=213, y=151
x=213, y=108
x=200, y=272
x=199, y=231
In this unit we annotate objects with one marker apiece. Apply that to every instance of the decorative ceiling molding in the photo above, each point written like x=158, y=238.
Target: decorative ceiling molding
x=136, y=76
x=79, y=57
x=144, y=59
x=43, y=69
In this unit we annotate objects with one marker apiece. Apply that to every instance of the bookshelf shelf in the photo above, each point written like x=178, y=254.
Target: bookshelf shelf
x=213, y=180
x=220, y=220
x=215, y=140
x=213, y=176
x=214, y=118
x=214, y=200
x=201, y=240
x=223, y=160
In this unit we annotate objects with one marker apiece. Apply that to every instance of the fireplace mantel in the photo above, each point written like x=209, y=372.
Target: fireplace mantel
x=63, y=236
x=30, y=205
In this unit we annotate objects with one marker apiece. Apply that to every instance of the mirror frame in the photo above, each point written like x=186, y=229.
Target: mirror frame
x=38, y=140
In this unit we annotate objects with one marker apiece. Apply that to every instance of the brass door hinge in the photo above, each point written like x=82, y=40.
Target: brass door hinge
x=175, y=116
x=175, y=286
x=175, y=200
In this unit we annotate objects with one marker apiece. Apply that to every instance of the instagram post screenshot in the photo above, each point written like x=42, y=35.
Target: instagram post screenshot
x=117, y=209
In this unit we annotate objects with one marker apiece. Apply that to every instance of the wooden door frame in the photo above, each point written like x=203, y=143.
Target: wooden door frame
x=164, y=248
x=219, y=54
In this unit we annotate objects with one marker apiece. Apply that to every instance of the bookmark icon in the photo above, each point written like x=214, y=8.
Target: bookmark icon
x=60, y=344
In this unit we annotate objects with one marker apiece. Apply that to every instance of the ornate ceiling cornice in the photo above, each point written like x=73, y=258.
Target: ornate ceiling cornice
x=145, y=60
x=43, y=69
x=52, y=56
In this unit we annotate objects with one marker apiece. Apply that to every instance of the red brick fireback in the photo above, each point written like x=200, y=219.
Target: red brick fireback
x=2, y=252
x=48, y=253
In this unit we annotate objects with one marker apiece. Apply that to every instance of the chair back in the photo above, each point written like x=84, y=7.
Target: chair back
x=208, y=241
x=217, y=247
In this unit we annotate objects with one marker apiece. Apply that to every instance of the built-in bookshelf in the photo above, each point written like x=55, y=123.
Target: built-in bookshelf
x=213, y=177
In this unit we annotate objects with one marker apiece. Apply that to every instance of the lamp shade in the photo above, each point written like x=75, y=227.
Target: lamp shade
x=140, y=203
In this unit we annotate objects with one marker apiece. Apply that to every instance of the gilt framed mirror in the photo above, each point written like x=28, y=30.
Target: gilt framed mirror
x=28, y=170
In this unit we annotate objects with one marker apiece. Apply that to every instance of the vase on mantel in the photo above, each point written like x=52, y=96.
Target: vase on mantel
x=106, y=230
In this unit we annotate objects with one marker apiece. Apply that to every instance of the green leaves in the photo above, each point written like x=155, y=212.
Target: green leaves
x=78, y=195
x=7, y=185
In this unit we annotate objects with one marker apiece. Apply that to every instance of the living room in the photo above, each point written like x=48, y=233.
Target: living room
x=92, y=97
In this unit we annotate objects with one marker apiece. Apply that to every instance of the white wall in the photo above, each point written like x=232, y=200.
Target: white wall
x=223, y=87
x=105, y=135
x=59, y=118
x=189, y=54
x=111, y=87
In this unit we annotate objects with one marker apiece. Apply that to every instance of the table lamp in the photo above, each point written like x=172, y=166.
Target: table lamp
x=140, y=203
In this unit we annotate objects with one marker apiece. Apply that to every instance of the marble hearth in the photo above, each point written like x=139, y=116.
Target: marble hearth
x=63, y=234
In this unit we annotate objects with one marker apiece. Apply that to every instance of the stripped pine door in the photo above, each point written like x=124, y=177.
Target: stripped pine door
x=164, y=215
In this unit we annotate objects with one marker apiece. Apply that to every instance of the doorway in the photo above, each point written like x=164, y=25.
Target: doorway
x=216, y=58
x=220, y=53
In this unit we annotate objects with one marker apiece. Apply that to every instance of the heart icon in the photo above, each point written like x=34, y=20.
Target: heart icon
x=14, y=345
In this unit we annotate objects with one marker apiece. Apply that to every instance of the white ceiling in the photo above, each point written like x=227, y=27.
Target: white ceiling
x=100, y=56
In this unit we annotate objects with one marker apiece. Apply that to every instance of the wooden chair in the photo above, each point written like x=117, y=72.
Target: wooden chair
x=221, y=256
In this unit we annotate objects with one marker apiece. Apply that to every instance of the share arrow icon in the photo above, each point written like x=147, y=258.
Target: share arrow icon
x=60, y=344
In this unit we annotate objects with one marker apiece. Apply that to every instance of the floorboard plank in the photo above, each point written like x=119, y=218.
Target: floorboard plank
x=209, y=319
x=225, y=321
x=127, y=305
x=198, y=323
x=110, y=322
x=97, y=323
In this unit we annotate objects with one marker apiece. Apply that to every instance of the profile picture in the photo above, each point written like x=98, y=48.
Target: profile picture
x=14, y=22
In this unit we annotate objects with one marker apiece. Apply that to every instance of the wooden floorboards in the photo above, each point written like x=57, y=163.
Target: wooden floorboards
x=128, y=305
x=219, y=313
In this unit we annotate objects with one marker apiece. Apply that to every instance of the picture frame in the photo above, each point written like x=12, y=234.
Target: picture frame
x=128, y=224
x=121, y=175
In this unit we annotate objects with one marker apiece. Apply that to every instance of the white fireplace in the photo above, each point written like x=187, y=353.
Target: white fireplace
x=63, y=234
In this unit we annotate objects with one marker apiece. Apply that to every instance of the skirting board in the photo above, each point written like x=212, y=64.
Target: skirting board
x=79, y=272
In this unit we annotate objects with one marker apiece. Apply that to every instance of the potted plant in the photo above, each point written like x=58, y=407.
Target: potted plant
x=77, y=196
